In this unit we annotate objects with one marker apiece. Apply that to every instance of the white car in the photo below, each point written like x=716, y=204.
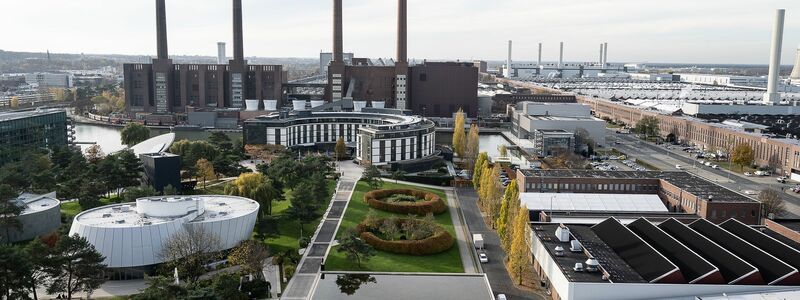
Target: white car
x=748, y=174
x=483, y=258
x=714, y=166
x=678, y=167
x=708, y=164
x=501, y=297
x=750, y=192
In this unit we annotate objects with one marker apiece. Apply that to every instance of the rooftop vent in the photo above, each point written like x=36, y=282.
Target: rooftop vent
x=575, y=246
x=562, y=233
x=223, y=213
x=120, y=221
x=125, y=208
x=147, y=223
x=578, y=267
x=106, y=215
x=223, y=204
x=592, y=265
x=559, y=251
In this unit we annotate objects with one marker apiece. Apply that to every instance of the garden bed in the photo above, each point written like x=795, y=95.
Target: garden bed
x=405, y=201
x=436, y=240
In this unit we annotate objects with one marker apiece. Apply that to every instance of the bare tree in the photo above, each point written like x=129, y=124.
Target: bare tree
x=190, y=250
x=771, y=203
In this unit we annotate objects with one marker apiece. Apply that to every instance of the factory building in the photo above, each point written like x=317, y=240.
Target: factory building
x=647, y=259
x=55, y=80
x=430, y=89
x=164, y=88
x=553, y=126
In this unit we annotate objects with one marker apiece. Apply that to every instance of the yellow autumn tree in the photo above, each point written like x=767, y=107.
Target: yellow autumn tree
x=459, y=137
x=518, y=257
x=14, y=102
x=483, y=158
x=512, y=192
x=205, y=170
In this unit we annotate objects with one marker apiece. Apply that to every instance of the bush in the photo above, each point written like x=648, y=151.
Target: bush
x=430, y=203
x=440, y=241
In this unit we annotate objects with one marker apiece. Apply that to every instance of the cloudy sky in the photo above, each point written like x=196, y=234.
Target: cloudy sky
x=691, y=31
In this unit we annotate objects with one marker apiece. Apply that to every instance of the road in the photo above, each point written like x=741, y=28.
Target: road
x=498, y=277
x=665, y=159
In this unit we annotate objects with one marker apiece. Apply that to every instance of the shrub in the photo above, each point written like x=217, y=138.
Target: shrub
x=429, y=203
x=439, y=241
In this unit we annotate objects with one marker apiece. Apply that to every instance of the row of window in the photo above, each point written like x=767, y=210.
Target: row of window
x=616, y=187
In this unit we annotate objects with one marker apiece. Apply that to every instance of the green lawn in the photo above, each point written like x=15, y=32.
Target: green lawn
x=288, y=230
x=445, y=262
x=70, y=209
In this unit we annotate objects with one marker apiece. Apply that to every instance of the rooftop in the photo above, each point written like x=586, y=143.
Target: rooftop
x=156, y=210
x=32, y=203
x=592, y=202
x=14, y=115
x=368, y=286
x=697, y=186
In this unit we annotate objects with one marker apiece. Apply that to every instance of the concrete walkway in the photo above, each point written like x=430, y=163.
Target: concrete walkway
x=307, y=273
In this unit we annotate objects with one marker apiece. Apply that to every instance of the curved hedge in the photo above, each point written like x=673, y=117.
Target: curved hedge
x=439, y=242
x=432, y=203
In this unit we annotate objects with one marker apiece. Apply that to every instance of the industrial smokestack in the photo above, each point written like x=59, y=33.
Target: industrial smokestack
x=560, y=54
x=402, y=27
x=796, y=70
x=772, y=96
x=338, y=56
x=238, y=50
x=600, y=61
x=221, y=53
x=508, y=60
x=605, y=54
x=161, y=29
x=540, y=54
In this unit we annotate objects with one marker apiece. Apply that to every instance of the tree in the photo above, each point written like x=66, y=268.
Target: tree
x=771, y=203
x=492, y=195
x=205, y=170
x=389, y=228
x=319, y=187
x=133, y=193
x=15, y=271
x=192, y=151
x=350, y=283
x=190, y=250
x=159, y=287
x=582, y=137
x=743, y=155
x=250, y=255
x=477, y=171
x=503, y=151
x=255, y=186
x=518, y=262
x=94, y=153
x=14, y=102
x=354, y=247
x=647, y=126
x=459, y=138
x=398, y=175
x=473, y=147
x=226, y=286
x=134, y=133
x=38, y=255
x=9, y=211
x=340, y=150
x=303, y=208
x=221, y=140
x=75, y=266
x=512, y=192
x=373, y=177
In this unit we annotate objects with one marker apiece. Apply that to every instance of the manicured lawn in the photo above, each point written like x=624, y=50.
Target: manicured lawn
x=445, y=262
x=70, y=209
x=288, y=230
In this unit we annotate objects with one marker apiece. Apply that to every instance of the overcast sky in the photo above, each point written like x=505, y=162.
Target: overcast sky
x=691, y=31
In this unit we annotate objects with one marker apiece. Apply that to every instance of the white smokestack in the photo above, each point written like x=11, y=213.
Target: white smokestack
x=605, y=54
x=600, y=61
x=772, y=96
x=560, y=54
x=221, y=59
x=796, y=70
x=508, y=61
x=540, y=54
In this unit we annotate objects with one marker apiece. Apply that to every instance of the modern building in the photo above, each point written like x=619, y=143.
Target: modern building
x=23, y=131
x=41, y=215
x=551, y=124
x=661, y=260
x=131, y=236
x=55, y=80
x=161, y=169
x=377, y=138
x=430, y=89
x=166, y=88
x=680, y=192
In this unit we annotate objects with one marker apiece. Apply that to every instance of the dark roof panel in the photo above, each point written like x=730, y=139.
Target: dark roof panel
x=693, y=266
x=772, y=269
x=651, y=265
x=772, y=246
x=733, y=268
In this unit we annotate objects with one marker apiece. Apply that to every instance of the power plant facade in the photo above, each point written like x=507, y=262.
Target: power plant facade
x=166, y=88
x=430, y=89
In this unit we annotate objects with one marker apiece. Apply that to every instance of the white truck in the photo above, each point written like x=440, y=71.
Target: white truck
x=477, y=240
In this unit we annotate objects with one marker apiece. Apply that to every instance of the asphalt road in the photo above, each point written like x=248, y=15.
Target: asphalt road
x=498, y=277
x=667, y=159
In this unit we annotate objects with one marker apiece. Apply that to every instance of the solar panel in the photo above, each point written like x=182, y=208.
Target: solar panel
x=772, y=269
x=693, y=266
x=733, y=268
x=650, y=264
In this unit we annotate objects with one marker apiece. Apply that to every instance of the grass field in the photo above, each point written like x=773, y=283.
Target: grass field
x=445, y=262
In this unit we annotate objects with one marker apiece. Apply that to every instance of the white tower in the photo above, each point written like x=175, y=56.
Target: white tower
x=600, y=61
x=605, y=54
x=508, y=71
x=221, y=60
x=772, y=96
x=540, y=54
x=795, y=77
x=560, y=54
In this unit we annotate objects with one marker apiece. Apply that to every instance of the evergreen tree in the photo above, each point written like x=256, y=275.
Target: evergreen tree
x=459, y=137
x=303, y=208
x=518, y=261
x=354, y=247
x=373, y=177
x=75, y=266
x=15, y=272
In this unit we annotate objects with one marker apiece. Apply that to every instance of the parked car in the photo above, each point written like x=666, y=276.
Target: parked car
x=748, y=174
x=750, y=192
x=716, y=167
x=501, y=297
x=708, y=164
x=483, y=258
x=782, y=179
x=678, y=167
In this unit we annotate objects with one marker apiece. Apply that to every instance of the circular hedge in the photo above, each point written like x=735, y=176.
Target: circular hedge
x=438, y=242
x=431, y=203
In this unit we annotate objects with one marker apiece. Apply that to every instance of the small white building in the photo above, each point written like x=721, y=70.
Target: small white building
x=529, y=117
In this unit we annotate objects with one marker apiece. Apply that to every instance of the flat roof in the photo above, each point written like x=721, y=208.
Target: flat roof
x=14, y=115
x=592, y=202
x=695, y=185
x=32, y=203
x=369, y=286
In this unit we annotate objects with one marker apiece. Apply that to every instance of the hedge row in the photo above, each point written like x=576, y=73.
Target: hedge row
x=439, y=242
x=431, y=203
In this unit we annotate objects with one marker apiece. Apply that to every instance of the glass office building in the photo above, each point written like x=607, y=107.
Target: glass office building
x=23, y=131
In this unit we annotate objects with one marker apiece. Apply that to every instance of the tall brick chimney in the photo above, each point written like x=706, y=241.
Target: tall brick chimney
x=161, y=29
